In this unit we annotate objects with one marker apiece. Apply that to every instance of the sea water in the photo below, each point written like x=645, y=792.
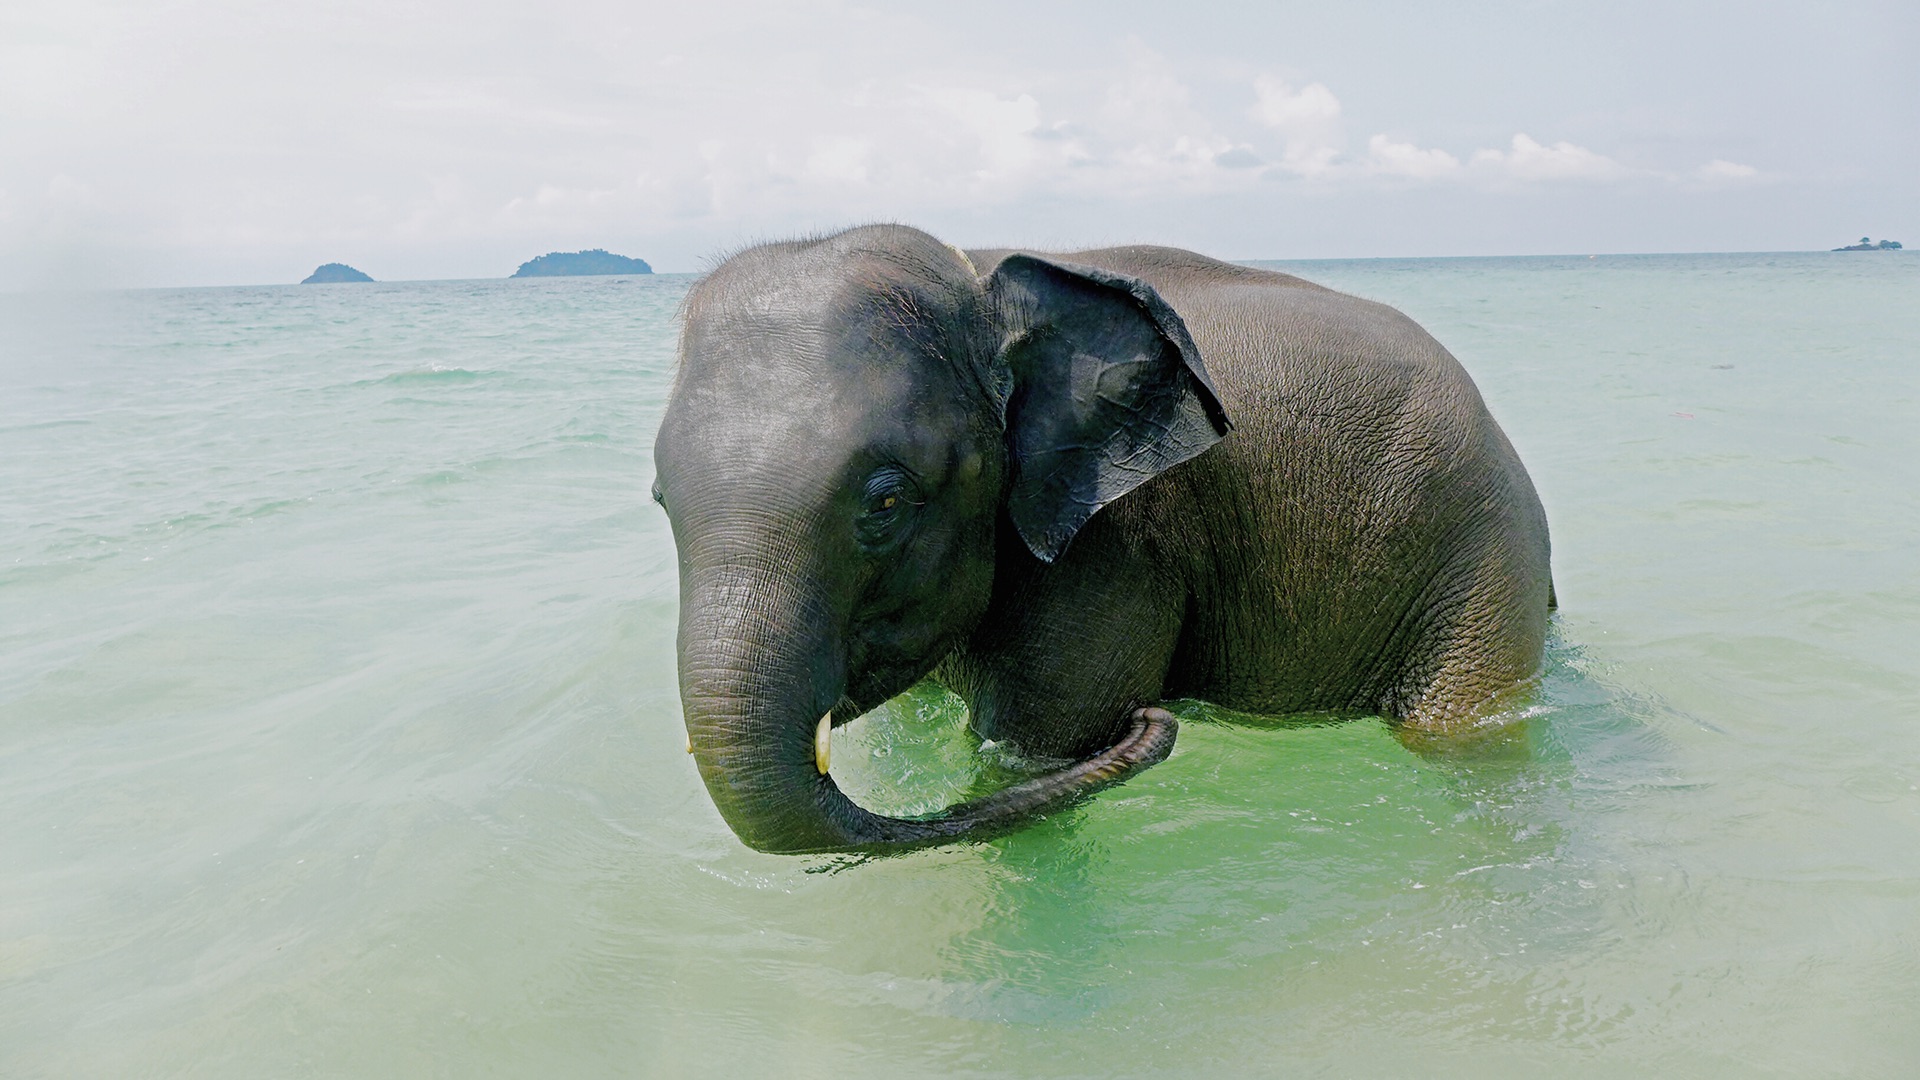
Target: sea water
x=339, y=733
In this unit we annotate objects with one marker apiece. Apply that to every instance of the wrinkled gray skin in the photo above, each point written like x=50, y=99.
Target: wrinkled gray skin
x=1030, y=477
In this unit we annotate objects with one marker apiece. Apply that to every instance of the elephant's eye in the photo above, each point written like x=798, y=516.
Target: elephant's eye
x=883, y=503
x=888, y=498
x=659, y=496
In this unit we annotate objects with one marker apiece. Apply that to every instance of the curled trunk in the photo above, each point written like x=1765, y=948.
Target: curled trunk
x=754, y=699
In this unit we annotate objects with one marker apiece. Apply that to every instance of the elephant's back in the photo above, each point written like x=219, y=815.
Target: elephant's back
x=1364, y=480
x=1162, y=267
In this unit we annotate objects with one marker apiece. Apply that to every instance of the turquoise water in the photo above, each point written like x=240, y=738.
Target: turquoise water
x=339, y=737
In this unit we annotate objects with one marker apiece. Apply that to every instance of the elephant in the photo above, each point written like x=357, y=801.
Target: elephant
x=1073, y=488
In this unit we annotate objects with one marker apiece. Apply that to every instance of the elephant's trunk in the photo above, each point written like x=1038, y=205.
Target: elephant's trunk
x=756, y=698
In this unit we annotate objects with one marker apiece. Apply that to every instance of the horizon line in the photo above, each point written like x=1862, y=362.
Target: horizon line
x=33, y=290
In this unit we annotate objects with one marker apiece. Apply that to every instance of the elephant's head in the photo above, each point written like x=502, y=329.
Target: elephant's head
x=852, y=421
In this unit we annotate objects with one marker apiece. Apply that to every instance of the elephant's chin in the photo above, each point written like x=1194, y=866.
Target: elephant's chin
x=1148, y=741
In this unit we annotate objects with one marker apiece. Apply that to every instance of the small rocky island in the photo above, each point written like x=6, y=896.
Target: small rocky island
x=577, y=263
x=1868, y=245
x=334, y=274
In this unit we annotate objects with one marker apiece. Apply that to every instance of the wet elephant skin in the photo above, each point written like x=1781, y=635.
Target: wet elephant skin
x=1071, y=487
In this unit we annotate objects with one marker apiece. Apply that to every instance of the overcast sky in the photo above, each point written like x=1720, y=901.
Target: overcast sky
x=184, y=142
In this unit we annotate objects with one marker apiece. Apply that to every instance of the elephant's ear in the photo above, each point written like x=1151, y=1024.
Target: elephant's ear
x=1101, y=387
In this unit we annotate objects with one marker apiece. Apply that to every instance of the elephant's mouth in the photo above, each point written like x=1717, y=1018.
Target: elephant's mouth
x=823, y=744
x=1148, y=740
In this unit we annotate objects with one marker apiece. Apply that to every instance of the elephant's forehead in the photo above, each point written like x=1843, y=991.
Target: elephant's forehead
x=782, y=357
x=783, y=375
x=725, y=427
x=800, y=405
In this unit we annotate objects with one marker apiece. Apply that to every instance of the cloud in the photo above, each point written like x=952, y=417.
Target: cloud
x=1528, y=160
x=1309, y=122
x=1312, y=108
x=1308, y=119
x=1721, y=171
x=1388, y=158
x=1002, y=128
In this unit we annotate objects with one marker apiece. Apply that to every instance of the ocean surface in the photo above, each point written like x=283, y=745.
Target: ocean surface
x=339, y=733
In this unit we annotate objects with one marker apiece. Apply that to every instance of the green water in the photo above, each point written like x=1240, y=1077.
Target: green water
x=339, y=737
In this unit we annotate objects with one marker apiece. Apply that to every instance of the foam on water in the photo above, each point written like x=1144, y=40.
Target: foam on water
x=339, y=733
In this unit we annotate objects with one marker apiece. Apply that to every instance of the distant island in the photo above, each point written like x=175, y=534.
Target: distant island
x=576, y=263
x=1868, y=245
x=334, y=274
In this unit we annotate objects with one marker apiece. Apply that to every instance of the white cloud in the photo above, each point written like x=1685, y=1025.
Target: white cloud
x=1310, y=109
x=1529, y=160
x=1147, y=137
x=1003, y=128
x=1309, y=122
x=1388, y=158
x=1308, y=119
x=1721, y=171
x=904, y=148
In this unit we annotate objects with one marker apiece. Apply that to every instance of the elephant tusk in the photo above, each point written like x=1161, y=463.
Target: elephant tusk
x=823, y=743
x=689, y=742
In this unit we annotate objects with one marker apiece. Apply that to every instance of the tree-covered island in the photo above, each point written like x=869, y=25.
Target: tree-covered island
x=334, y=274
x=576, y=263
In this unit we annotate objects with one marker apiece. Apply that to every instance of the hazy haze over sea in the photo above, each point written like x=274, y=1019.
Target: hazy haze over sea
x=339, y=732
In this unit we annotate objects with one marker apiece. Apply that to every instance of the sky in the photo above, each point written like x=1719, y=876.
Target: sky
x=202, y=142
